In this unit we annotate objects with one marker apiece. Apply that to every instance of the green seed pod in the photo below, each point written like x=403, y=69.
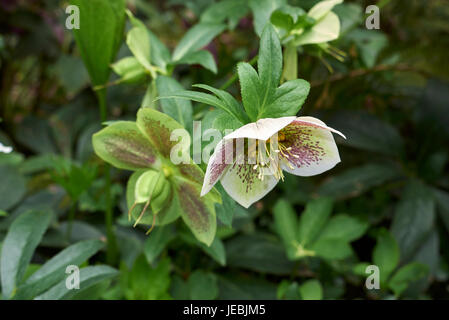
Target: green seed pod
x=148, y=185
x=158, y=203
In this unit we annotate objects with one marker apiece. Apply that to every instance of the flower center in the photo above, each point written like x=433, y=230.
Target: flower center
x=269, y=155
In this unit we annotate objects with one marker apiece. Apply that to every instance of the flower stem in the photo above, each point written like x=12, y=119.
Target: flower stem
x=231, y=80
x=111, y=253
x=290, y=71
x=71, y=217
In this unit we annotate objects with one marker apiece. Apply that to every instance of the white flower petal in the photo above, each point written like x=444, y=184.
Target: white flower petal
x=263, y=129
x=322, y=8
x=218, y=163
x=313, y=149
x=241, y=182
x=327, y=29
x=5, y=149
x=318, y=123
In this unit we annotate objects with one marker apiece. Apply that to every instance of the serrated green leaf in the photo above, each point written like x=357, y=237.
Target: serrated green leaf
x=250, y=89
x=269, y=65
x=228, y=100
x=200, y=97
x=287, y=100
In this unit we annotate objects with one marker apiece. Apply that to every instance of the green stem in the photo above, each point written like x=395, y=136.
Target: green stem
x=70, y=223
x=231, y=80
x=290, y=71
x=111, y=253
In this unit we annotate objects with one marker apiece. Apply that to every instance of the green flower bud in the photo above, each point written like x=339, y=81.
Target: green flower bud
x=149, y=184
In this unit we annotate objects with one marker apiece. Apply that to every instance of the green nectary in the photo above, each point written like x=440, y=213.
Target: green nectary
x=151, y=188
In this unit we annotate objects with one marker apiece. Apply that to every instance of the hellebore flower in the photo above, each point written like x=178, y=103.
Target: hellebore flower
x=158, y=185
x=326, y=27
x=303, y=146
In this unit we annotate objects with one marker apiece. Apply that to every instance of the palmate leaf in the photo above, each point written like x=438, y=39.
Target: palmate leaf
x=228, y=100
x=288, y=99
x=258, y=89
x=269, y=65
x=202, y=98
x=250, y=89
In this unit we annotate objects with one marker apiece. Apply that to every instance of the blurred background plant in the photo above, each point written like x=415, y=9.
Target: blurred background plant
x=386, y=204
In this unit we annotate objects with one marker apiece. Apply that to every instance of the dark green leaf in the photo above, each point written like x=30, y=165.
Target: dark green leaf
x=12, y=187
x=99, y=35
x=413, y=219
x=201, y=57
x=22, y=239
x=203, y=286
x=386, y=254
x=355, y=181
x=53, y=270
x=89, y=276
x=178, y=109
x=196, y=38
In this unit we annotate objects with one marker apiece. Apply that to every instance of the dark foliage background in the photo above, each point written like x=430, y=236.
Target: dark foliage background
x=390, y=97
